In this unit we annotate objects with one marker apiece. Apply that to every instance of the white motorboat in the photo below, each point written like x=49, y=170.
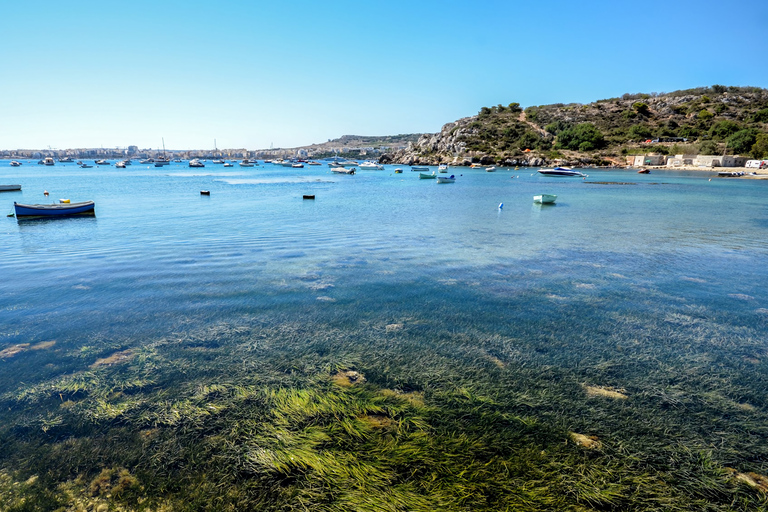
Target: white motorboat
x=14, y=163
x=561, y=171
x=490, y=169
x=446, y=179
x=196, y=163
x=442, y=168
x=227, y=164
x=371, y=166
x=342, y=170
x=246, y=163
x=545, y=199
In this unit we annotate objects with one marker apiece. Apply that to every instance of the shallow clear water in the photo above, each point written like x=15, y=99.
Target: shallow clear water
x=159, y=258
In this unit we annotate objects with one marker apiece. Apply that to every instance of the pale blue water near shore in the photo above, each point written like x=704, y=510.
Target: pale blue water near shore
x=156, y=248
x=625, y=274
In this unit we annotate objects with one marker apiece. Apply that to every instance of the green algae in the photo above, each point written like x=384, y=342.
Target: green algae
x=458, y=409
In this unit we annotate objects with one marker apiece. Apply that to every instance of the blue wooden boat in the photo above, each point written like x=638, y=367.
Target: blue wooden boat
x=54, y=210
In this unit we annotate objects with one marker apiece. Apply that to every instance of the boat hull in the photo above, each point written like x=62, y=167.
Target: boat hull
x=9, y=188
x=561, y=171
x=54, y=210
x=423, y=176
x=545, y=199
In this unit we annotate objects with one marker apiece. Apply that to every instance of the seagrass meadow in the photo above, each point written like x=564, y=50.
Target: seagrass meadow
x=576, y=357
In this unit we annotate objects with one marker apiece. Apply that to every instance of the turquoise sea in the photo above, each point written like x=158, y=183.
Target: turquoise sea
x=653, y=285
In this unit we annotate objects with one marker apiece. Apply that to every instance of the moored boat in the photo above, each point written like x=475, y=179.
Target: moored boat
x=342, y=170
x=246, y=163
x=446, y=179
x=14, y=163
x=298, y=166
x=561, y=171
x=371, y=166
x=54, y=210
x=101, y=162
x=545, y=198
x=9, y=188
x=442, y=168
x=398, y=171
x=490, y=169
x=420, y=168
x=423, y=176
x=120, y=165
x=196, y=163
x=643, y=171
x=227, y=164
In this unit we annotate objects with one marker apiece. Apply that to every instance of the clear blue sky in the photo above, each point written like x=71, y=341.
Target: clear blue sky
x=87, y=73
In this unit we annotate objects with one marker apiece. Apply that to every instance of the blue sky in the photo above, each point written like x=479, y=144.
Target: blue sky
x=250, y=74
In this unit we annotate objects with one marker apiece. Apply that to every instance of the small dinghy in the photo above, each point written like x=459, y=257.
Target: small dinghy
x=54, y=210
x=545, y=199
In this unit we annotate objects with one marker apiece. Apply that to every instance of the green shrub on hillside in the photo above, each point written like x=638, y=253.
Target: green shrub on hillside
x=582, y=135
x=723, y=129
x=708, y=148
x=761, y=116
x=760, y=147
x=639, y=132
x=742, y=141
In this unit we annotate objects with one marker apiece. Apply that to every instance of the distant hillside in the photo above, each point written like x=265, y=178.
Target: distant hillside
x=713, y=120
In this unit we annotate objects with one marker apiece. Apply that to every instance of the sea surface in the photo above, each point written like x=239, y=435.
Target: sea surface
x=157, y=250
x=623, y=268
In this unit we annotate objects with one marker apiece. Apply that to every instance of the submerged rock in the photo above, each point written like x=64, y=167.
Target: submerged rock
x=753, y=480
x=348, y=378
x=606, y=391
x=588, y=442
x=118, y=357
x=13, y=350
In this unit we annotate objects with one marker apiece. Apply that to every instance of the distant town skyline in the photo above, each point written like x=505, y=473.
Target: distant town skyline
x=290, y=74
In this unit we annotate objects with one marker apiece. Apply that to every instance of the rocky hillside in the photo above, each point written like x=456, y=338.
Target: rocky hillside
x=707, y=120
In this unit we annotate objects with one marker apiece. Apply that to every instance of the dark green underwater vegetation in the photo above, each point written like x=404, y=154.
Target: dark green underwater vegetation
x=568, y=396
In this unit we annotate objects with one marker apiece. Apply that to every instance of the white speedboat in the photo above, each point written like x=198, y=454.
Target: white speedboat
x=246, y=163
x=342, y=170
x=120, y=165
x=370, y=166
x=545, y=199
x=442, y=168
x=561, y=171
x=196, y=163
x=218, y=161
x=227, y=164
x=14, y=163
x=490, y=169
